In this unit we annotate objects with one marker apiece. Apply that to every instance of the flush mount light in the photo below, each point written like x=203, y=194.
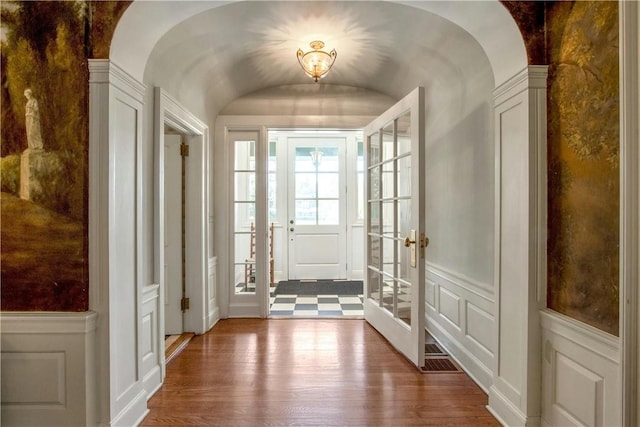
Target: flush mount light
x=316, y=63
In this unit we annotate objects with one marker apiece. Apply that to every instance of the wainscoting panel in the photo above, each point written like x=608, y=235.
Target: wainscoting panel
x=48, y=369
x=450, y=306
x=213, y=311
x=34, y=378
x=151, y=349
x=580, y=378
x=460, y=316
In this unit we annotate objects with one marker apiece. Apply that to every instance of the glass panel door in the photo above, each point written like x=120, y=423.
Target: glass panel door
x=394, y=285
x=316, y=223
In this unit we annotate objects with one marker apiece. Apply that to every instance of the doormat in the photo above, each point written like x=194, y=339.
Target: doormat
x=319, y=287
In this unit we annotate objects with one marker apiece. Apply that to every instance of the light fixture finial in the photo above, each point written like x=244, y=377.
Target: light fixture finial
x=316, y=63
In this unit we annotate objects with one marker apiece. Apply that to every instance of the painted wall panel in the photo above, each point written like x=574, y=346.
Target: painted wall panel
x=123, y=249
x=48, y=367
x=479, y=326
x=30, y=378
x=514, y=238
x=580, y=374
x=449, y=306
x=577, y=390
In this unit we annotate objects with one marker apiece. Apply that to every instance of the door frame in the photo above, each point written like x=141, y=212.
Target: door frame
x=167, y=111
x=220, y=173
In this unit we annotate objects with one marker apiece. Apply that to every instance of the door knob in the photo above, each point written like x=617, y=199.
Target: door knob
x=408, y=242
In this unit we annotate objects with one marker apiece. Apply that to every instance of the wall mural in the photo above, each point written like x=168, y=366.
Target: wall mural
x=44, y=74
x=583, y=141
x=45, y=136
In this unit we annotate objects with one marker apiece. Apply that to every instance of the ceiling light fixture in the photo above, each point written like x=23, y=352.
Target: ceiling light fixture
x=316, y=63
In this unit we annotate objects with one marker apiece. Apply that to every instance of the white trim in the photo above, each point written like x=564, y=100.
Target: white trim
x=629, y=209
x=167, y=110
x=590, y=338
x=482, y=290
x=47, y=323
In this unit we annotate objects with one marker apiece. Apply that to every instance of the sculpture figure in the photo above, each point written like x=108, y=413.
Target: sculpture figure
x=32, y=122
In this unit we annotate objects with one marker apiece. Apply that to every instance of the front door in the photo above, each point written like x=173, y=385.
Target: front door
x=316, y=220
x=395, y=226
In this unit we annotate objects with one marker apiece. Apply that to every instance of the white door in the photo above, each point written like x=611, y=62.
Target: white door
x=316, y=221
x=173, y=235
x=395, y=225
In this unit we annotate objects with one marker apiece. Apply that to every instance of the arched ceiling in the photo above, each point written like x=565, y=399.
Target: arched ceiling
x=226, y=50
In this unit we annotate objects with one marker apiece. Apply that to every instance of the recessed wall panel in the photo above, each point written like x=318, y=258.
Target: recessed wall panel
x=479, y=326
x=450, y=306
x=33, y=379
x=578, y=391
x=513, y=240
x=123, y=293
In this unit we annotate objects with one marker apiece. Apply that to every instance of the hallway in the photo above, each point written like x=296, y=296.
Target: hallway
x=252, y=372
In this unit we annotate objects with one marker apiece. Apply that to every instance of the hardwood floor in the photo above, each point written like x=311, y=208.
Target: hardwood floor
x=311, y=372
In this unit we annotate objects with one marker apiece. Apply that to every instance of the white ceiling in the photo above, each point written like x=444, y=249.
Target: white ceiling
x=226, y=50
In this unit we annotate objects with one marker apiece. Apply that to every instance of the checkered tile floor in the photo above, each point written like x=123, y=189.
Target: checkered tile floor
x=318, y=305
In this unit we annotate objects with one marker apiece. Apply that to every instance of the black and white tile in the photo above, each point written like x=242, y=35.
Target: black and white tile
x=317, y=305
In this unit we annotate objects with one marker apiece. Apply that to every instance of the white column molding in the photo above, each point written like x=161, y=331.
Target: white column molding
x=629, y=209
x=520, y=138
x=116, y=102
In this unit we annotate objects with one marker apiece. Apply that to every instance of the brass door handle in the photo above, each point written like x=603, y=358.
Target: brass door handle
x=408, y=242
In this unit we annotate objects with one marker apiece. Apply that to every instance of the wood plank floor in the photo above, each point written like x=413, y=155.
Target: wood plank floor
x=308, y=372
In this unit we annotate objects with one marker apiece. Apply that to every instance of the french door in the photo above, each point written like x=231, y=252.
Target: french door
x=395, y=225
x=316, y=223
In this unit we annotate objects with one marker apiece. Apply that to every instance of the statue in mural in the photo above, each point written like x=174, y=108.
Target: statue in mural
x=32, y=122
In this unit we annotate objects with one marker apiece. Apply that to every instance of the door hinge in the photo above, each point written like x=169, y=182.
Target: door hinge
x=184, y=150
x=184, y=304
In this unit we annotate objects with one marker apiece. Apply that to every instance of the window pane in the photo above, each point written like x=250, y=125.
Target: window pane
x=374, y=148
x=374, y=183
x=388, y=220
x=387, y=180
x=306, y=212
x=245, y=155
x=404, y=133
x=388, y=254
x=328, y=212
x=387, y=294
x=305, y=185
x=404, y=302
x=328, y=185
x=328, y=159
x=245, y=186
x=360, y=198
x=375, y=252
x=388, y=142
x=244, y=216
x=304, y=160
x=271, y=195
x=374, y=285
x=404, y=176
x=374, y=217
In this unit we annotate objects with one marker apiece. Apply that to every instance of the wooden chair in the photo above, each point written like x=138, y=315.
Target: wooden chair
x=250, y=262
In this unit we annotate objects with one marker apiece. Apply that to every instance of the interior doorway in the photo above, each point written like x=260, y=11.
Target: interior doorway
x=174, y=239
